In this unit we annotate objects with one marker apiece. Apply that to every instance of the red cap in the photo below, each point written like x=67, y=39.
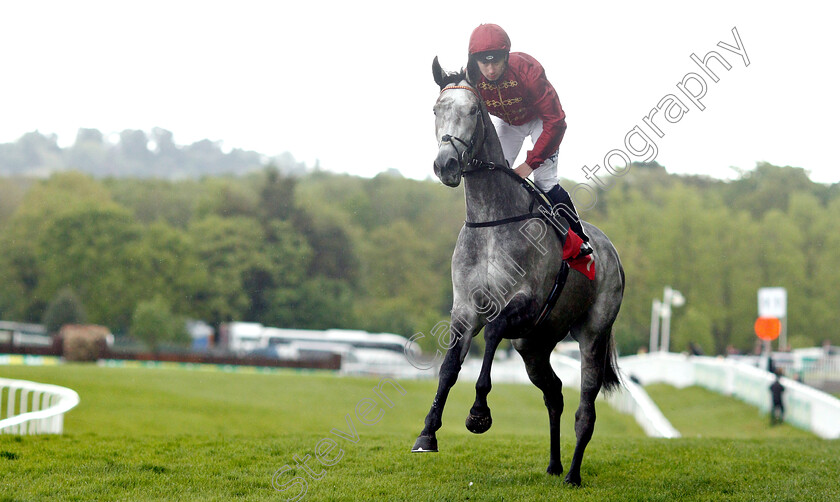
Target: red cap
x=489, y=37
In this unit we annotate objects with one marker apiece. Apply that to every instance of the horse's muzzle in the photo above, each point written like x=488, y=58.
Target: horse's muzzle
x=448, y=169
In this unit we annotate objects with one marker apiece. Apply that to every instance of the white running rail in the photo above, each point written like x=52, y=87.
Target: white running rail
x=34, y=408
x=629, y=398
x=805, y=407
x=632, y=399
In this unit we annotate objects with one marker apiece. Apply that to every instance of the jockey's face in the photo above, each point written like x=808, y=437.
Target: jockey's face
x=492, y=71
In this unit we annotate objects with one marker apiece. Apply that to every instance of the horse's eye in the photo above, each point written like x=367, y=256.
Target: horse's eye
x=473, y=110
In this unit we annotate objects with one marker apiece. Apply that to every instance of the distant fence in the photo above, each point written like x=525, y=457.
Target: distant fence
x=822, y=371
x=328, y=362
x=52, y=350
x=34, y=408
x=816, y=366
x=630, y=398
x=805, y=407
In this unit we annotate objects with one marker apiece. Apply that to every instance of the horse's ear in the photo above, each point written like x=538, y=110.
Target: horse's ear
x=470, y=72
x=438, y=73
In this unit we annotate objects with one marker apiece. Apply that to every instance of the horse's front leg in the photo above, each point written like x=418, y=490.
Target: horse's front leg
x=458, y=347
x=511, y=319
x=479, y=419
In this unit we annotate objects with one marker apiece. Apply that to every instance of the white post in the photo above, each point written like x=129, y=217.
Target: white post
x=654, y=325
x=666, y=327
x=670, y=298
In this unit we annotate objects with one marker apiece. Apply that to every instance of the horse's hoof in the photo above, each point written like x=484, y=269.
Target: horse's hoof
x=479, y=424
x=555, y=470
x=425, y=444
x=572, y=480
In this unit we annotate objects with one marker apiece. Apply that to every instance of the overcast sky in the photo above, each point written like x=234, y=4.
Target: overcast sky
x=350, y=84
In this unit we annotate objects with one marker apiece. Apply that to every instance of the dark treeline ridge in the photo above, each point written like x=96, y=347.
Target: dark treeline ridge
x=323, y=250
x=134, y=154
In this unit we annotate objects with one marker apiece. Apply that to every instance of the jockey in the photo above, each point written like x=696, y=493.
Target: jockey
x=522, y=103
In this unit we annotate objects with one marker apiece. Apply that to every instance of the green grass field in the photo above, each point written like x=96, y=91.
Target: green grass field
x=170, y=434
x=701, y=413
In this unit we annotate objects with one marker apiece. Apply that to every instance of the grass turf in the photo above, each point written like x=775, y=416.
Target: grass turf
x=698, y=412
x=143, y=434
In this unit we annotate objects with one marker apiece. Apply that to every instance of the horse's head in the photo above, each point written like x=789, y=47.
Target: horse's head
x=459, y=126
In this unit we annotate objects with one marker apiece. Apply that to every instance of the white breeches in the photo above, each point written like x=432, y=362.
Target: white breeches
x=512, y=138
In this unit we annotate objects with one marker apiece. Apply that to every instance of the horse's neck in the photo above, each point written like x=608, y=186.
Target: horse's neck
x=492, y=194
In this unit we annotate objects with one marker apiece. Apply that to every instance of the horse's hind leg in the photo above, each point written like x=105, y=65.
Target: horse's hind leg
x=537, y=362
x=594, y=348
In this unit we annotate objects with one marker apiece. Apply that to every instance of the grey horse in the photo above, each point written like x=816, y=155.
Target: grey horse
x=502, y=272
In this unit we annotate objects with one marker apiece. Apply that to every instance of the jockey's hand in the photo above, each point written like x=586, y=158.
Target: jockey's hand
x=523, y=170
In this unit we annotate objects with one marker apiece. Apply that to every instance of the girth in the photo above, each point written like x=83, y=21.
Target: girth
x=503, y=221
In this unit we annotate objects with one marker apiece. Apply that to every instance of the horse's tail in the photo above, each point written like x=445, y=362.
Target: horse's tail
x=612, y=379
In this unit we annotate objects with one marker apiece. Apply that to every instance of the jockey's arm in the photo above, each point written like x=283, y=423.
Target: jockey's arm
x=523, y=170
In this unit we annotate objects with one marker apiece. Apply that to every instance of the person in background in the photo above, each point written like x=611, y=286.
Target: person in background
x=777, y=413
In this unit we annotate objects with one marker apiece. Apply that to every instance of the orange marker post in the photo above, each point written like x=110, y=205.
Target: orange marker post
x=768, y=328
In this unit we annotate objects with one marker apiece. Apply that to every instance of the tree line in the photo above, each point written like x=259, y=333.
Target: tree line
x=321, y=250
x=132, y=153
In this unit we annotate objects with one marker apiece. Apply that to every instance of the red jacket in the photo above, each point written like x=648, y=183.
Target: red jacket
x=522, y=94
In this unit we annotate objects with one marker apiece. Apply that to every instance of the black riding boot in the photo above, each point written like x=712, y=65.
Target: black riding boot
x=564, y=207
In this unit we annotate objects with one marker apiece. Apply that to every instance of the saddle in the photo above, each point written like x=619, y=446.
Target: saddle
x=570, y=240
x=571, y=250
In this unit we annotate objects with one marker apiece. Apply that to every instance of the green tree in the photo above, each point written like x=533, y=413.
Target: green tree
x=91, y=250
x=152, y=200
x=65, y=308
x=153, y=323
x=769, y=187
x=228, y=198
x=816, y=307
x=277, y=196
x=633, y=226
x=403, y=294
x=318, y=303
x=166, y=261
x=246, y=267
x=21, y=270
x=330, y=235
x=12, y=191
x=825, y=292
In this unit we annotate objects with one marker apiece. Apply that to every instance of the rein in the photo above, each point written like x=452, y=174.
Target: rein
x=478, y=166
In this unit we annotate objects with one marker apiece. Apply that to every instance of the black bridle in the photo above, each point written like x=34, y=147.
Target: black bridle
x=468, y=150
x=474, y=144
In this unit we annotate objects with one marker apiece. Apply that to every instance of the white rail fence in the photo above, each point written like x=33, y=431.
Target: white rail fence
x=805, y=407
x=34, y=408
x=630, y=398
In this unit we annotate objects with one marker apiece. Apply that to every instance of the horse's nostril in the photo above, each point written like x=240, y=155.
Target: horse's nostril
x=451, y=163
x=445, y=138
